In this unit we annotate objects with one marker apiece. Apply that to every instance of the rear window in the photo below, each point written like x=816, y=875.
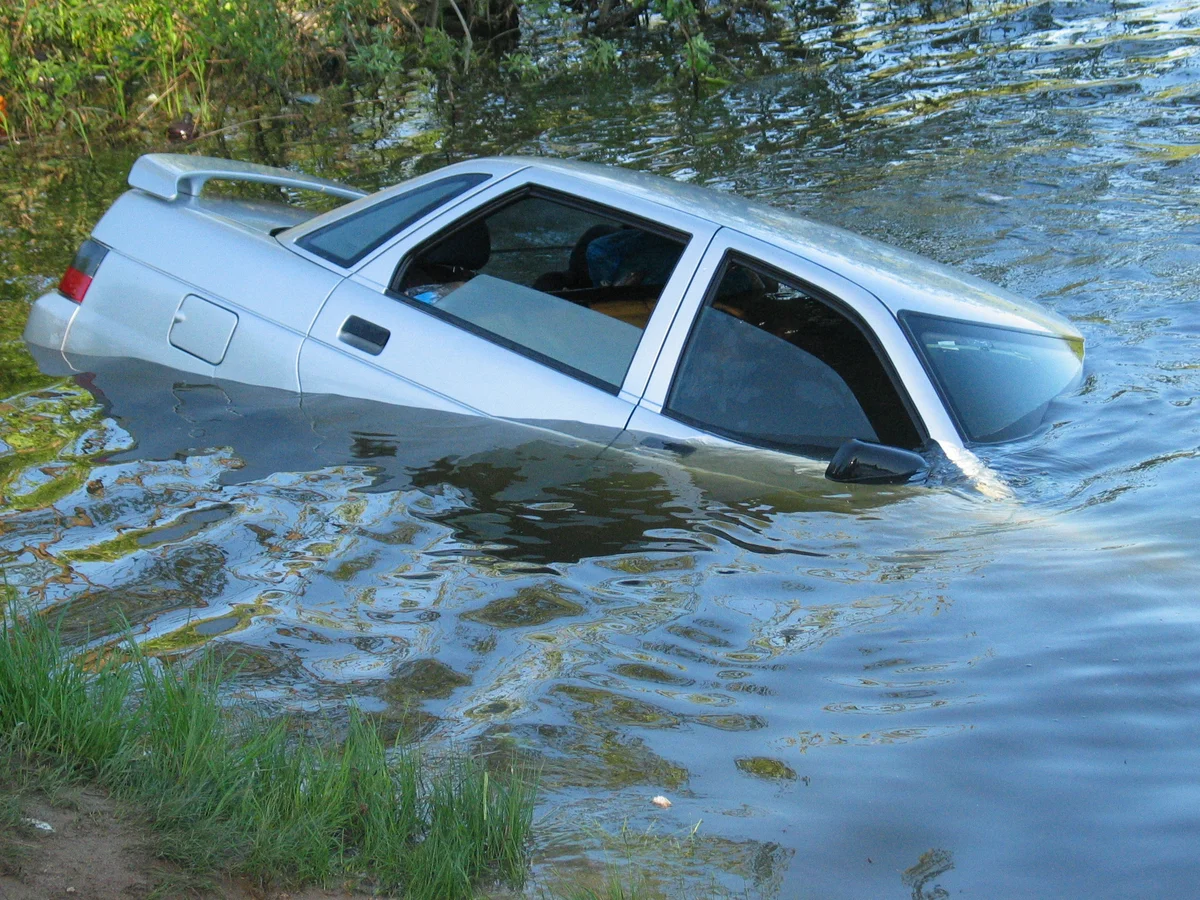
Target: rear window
x=346, y=241
x=998, y=382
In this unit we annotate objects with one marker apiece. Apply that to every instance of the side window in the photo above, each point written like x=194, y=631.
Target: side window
x=568, y=285
x=346, y=241
x=772, y=364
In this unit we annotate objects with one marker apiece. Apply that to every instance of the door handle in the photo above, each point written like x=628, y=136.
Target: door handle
x=363, y=335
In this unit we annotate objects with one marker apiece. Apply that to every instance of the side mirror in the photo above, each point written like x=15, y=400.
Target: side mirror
x=859, y=462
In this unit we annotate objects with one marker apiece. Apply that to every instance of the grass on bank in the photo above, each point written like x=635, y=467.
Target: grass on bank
x=230, y=792
x=110, y=68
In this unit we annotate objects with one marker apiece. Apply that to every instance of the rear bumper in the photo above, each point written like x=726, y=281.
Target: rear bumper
x=49, y=320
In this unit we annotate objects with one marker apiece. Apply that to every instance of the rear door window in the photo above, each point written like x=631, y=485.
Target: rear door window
x=349, y=240
x=571, y=285
x=773, y=363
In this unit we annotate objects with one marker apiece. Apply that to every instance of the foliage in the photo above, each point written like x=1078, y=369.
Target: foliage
x=521, y=66
x=232, y=791
x=600, y=54
x=92, y=67
x=88, y=64
x=697, y=51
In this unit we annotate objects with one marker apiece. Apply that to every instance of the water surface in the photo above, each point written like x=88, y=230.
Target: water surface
x=863, y=692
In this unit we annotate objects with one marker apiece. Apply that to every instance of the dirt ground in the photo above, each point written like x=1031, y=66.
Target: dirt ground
x=94, y=854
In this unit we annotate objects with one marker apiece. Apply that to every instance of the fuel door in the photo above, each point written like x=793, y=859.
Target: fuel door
x=202, y=329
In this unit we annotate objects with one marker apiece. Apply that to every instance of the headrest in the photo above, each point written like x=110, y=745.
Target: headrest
x=578, y=267
x=468, y=248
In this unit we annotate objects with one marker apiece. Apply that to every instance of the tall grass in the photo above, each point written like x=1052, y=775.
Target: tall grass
x=234, y=792
x=115, y=67
x=99, y=66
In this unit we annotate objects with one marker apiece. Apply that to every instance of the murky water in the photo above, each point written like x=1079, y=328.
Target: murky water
x=865, y=693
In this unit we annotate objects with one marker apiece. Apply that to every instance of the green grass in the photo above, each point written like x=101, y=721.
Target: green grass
x=12, y=854
x=232, y=792
x=105, y=69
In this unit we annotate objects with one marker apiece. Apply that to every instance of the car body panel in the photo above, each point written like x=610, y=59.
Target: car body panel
x=129, y=312
x=229, y=263
x=258, y=215
x=325, y=369
x=452, y=364
x=50, y=319
x=223, y=259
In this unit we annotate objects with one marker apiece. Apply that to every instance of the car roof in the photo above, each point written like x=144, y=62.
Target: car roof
x=901, y=280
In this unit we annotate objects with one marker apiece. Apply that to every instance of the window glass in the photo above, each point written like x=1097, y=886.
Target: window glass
x=348, y=240
x=999, y=382
x=570, y=286
x=771, y=364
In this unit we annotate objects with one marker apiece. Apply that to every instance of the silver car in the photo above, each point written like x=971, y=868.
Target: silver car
x=600, y=303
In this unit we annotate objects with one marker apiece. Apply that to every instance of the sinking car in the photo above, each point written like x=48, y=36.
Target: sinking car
x=605, y=304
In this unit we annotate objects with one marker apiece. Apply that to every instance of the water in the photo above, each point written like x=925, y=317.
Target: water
x=864, y=692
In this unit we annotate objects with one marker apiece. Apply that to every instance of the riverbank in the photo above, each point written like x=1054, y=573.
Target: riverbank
x=78, y=841
x=121, y=69
x=224, y=795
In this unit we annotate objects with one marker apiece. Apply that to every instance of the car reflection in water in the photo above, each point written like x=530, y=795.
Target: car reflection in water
x=524, y=493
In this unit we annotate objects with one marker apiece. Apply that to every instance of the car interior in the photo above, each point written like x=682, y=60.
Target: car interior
x=766, y=362
x=565, y=283
x=578, y=255
x=772, y=364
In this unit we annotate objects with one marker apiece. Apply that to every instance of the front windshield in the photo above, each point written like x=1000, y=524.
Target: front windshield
x=998, y=381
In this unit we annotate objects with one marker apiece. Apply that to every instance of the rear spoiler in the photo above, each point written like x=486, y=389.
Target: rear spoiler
x=168, y=175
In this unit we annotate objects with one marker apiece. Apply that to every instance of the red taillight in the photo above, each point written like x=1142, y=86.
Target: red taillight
x=78, y=277
x=75, y=284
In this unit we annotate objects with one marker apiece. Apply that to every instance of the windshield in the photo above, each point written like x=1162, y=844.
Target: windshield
x=997, y=381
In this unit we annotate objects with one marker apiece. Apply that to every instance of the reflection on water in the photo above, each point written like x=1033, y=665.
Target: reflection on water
x=856, y=691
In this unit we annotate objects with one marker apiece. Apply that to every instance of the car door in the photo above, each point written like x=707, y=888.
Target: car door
x=544, y=299
x=774, y=351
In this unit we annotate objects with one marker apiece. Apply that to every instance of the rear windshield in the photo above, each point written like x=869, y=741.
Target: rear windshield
x=348, y=240
x=998, y=382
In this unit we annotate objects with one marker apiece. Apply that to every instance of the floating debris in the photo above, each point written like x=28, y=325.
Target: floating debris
x=184, y=129
x=661, y=802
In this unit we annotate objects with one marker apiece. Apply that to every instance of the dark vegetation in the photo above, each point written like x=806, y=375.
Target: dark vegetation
x=119, y=68
x=228, y=792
